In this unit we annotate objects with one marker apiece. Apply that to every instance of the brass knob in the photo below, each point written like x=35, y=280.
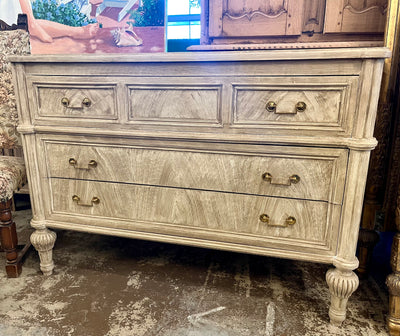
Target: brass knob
x=271, y=106
x=267, y=177
x=294, y=179
x=65, y=101
x=301, y=106
x=72, y=162
x=96, y=200
x=76, y=198
x=92, y=163
x=264, y=218
x=290, y=220
x=86, y=102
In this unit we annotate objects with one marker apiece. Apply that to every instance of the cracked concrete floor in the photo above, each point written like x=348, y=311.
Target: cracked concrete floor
x=115, y=286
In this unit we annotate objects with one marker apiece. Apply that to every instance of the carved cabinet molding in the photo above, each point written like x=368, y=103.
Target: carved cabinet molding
x=254, y=22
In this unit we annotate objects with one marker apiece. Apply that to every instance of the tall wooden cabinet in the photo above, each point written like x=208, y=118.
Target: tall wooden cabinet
x=230, y=24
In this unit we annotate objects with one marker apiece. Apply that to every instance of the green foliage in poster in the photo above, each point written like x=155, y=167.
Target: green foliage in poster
x=67, y=14
x=150, y=13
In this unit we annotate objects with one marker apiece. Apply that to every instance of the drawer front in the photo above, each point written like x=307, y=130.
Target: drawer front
x=295, y=103
x=174, y=103
x=67, y=98
x=224, y=212
x=315, y=174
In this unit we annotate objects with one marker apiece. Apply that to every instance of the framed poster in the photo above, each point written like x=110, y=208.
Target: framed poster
x=91, y=26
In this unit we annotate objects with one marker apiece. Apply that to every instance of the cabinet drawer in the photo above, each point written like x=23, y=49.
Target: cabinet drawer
x=175, y=103
x=301, y=104
x=223, y=212
x=66, y=99
x=316, y=174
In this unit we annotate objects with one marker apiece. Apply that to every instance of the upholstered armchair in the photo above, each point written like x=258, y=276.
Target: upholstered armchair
x=12, y=168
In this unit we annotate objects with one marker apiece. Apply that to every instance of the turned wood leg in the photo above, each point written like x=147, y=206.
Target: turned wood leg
x=43, y=240
x=393, y=283
x=393, y=280
x=9, y=241
x=342, y=283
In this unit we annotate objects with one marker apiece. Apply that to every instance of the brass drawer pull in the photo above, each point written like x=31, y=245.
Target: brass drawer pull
x=65, y=101
x=291, y=180
x=74, y=163
x=86, y=102
x=288, y=221
x=271, y=106
x=77, y=199
x=299, y=107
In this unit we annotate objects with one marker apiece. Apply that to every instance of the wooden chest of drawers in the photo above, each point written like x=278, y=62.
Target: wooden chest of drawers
x=256, y=152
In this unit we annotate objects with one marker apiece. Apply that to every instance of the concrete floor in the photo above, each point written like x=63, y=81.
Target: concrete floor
x=114, y=286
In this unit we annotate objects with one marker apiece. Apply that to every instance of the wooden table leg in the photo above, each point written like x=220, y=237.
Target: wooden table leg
x=9, y=241
x=393, y=281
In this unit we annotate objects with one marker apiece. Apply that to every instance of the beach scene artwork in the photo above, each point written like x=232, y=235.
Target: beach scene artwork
x=91, y=26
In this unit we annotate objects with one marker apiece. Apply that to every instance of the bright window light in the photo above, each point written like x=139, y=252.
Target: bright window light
x=183, y=19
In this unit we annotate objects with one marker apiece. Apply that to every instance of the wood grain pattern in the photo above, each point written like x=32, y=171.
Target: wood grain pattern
x=201, y=185
x=238, y=172
x=184, y=207
x=254, y=17
x=355, y=16
x=313, y=16
x=323, y=107
x=102, y=101
x=172, y=103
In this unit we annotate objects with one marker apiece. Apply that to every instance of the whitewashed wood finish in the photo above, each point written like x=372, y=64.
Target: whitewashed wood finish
x=173, y=103
x=206, y=169
x=322, y=106
x=210, y=210
x=102, y=101
x=189, y=177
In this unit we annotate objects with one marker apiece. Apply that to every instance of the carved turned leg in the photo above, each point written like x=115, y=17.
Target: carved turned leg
x=43, y=240
x=9, y=241
x=393, y=281
x=342, y=283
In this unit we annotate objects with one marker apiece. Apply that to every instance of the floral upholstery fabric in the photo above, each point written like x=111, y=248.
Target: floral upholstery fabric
x=13, y=42
x=12, y=176
x=12, y=169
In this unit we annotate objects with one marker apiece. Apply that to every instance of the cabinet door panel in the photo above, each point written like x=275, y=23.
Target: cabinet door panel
x=355, y=16
x=255, y=18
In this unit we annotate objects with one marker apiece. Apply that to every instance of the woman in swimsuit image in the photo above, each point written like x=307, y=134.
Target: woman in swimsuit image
x=46, y=30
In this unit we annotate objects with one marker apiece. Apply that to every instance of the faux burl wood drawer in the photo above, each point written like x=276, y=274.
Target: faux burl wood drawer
x=224, y=212
x=80, y=100
x=175, y=101
x=295, y=103
x=296, y=172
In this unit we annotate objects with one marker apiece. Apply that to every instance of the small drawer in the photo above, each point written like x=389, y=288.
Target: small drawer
x=322, y=105
x=308, y=221
x=176, y=102
x=75, y=101
x=295, y=172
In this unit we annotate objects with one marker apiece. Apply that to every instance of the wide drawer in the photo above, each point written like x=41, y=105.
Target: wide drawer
x=306, y=173
x=309, y=221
